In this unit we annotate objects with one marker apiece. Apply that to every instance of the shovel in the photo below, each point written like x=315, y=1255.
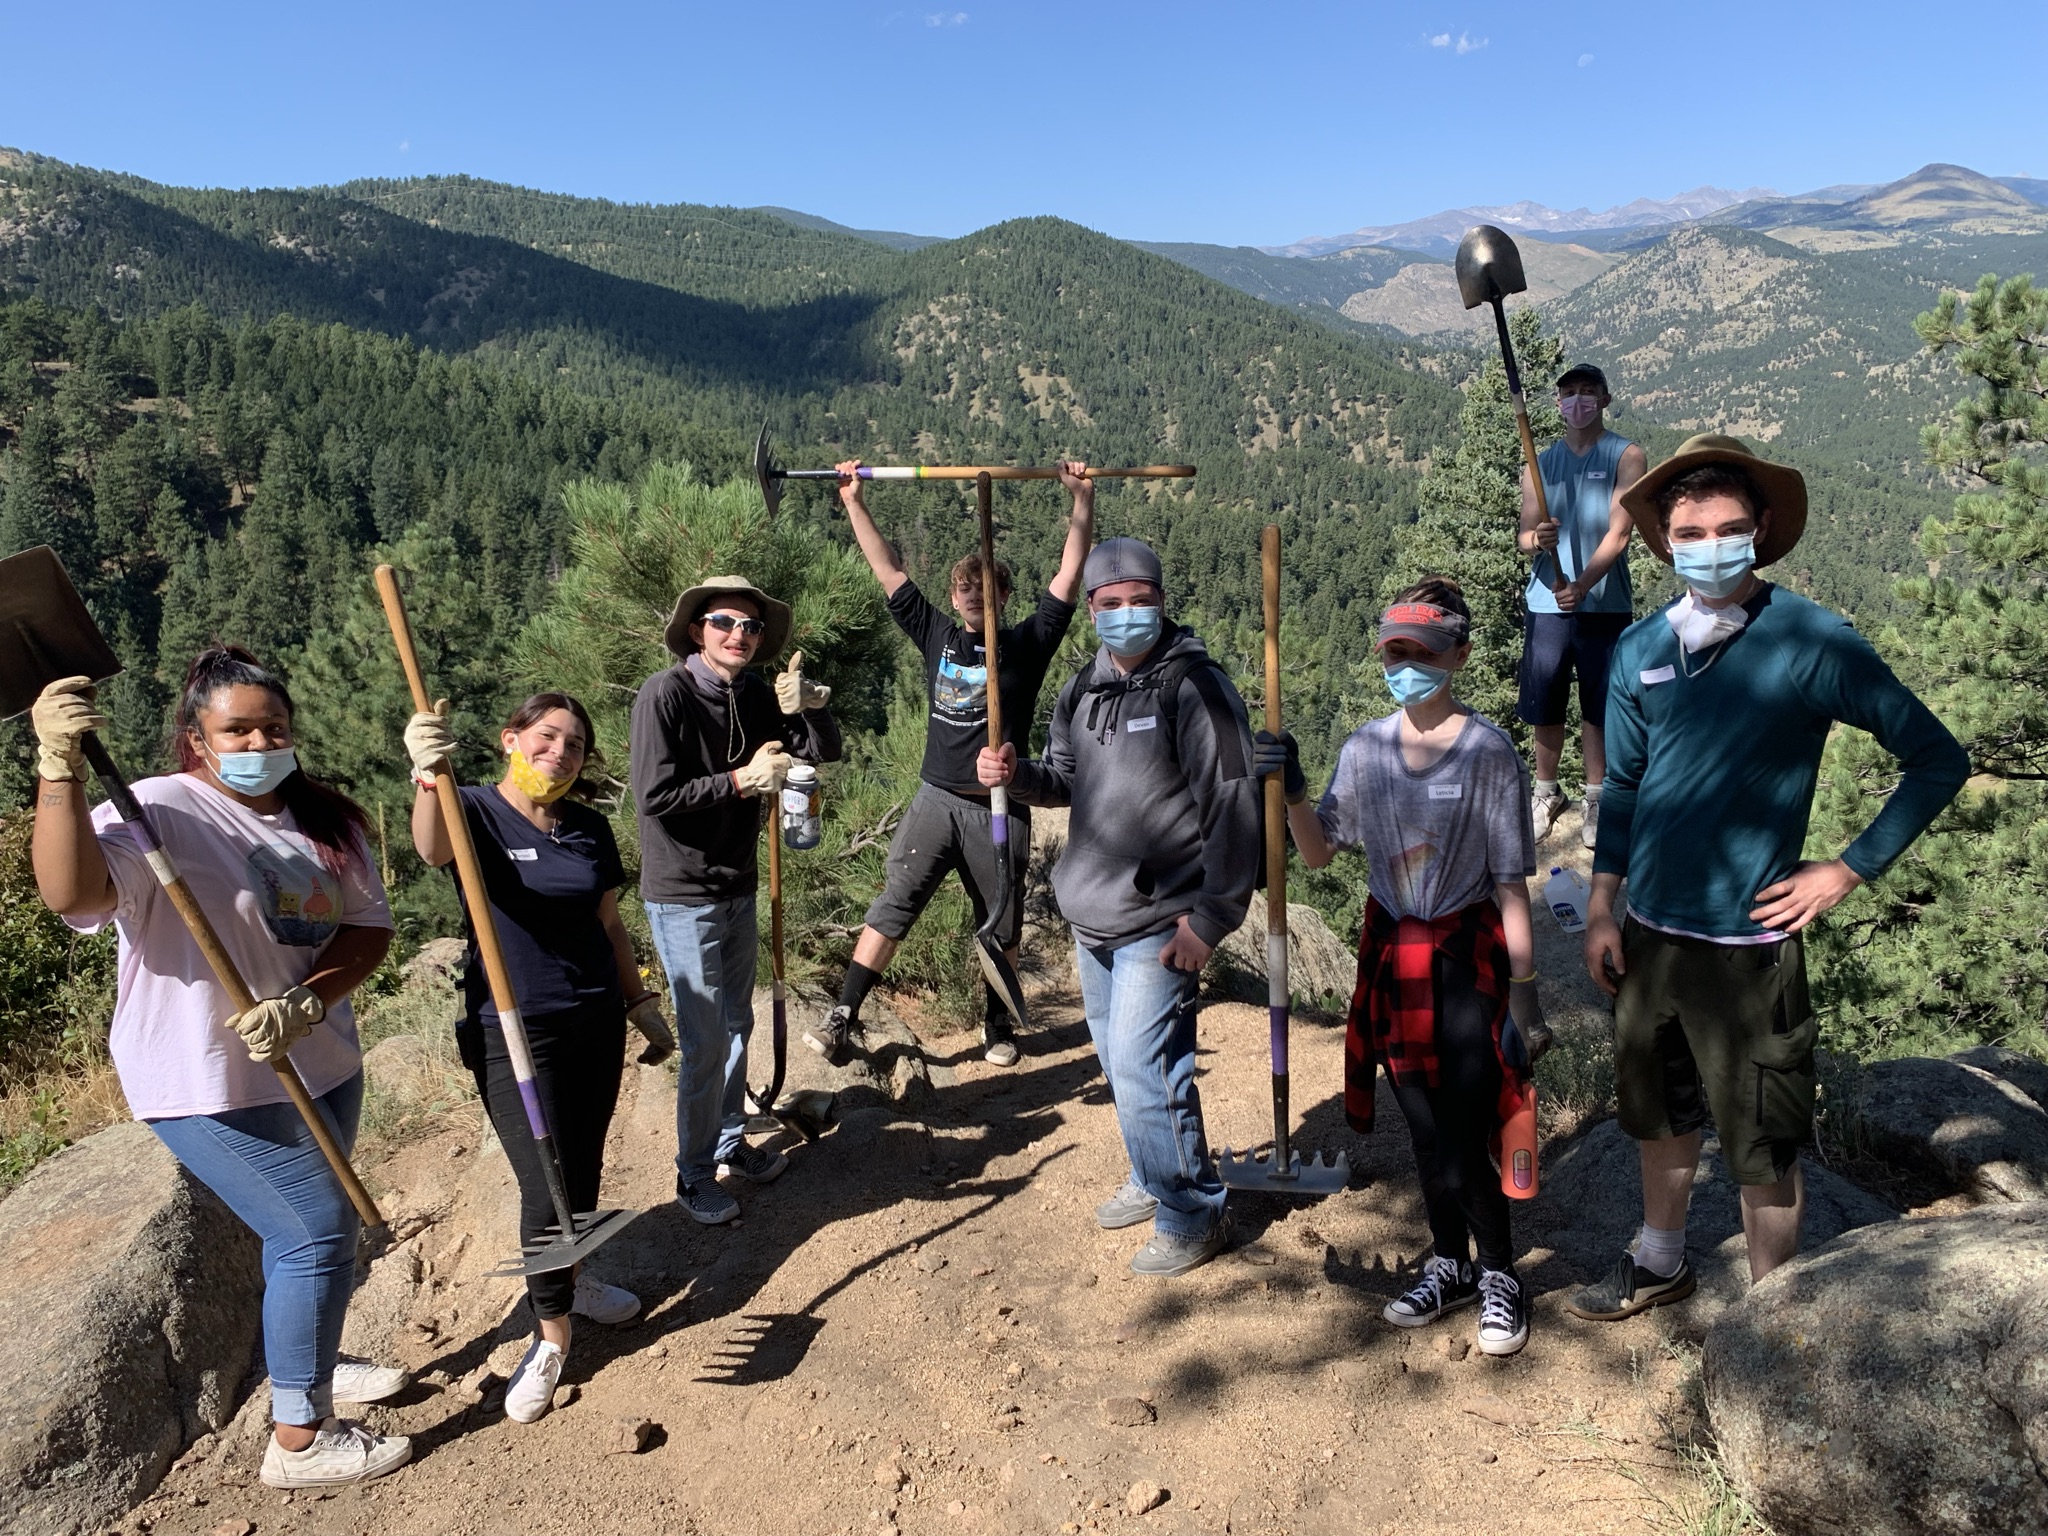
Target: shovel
x=995, y=965
x=1284, y=1173
x=574, y=1237
x=46, y=634
x=799, y=1112
x=1489, y=269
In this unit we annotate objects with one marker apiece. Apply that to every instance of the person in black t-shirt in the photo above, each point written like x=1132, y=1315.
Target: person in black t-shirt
x=947, y=824
x=552, y=869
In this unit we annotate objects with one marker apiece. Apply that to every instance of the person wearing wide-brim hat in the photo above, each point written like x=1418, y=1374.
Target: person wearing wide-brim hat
x=1718, y=708
x=712, y=742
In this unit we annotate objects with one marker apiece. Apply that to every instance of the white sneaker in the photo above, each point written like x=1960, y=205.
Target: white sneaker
x=1544, y=811
x=601, y=1303
x=342, y=1451
x=357, y=1380
x=532, y=1388
x=1589, y=834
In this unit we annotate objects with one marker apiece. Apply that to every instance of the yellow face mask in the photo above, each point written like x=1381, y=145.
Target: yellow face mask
x=535, y=785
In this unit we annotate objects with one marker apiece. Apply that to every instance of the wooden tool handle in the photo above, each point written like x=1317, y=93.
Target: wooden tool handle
x=991, y=606
x=1275, y=789
x=1529, y=458
x=993, y=471
x=775, y=892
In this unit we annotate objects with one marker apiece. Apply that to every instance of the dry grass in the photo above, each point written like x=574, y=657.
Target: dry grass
x=43, y=1112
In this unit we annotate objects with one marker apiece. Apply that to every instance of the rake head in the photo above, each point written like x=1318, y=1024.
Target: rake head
x=1315, y=1177
x=765, y=472
x=552, y=1251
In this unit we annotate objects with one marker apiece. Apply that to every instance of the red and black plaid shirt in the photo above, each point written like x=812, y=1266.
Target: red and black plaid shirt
x=1394, y=1009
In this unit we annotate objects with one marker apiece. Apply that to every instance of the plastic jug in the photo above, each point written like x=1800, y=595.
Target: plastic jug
x=802, y=824
x=1567, y=895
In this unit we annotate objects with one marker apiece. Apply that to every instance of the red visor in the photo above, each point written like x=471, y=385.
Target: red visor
x=1438, y=628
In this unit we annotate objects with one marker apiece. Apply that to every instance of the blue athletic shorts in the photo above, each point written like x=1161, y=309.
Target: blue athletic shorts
x=1557, y=646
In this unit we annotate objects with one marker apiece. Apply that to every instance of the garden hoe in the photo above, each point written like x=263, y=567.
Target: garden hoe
x=1489, y=269
x=1284, y=1173
x=995, y=965
x=46, y=634
x=574, y=1237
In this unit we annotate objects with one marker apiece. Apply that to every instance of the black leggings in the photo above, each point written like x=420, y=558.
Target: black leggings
x=577, y=1059
x=1452, y=1123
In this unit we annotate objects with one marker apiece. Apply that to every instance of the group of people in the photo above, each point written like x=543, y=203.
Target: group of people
x=1702, y=729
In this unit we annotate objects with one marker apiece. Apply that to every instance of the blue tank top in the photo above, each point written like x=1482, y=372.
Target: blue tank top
x=1581, y=492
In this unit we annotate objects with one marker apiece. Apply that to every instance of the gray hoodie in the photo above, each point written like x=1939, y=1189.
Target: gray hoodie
x=1164, y=822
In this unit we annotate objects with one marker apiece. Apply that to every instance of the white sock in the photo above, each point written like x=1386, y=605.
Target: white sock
x=1659, y=1251
x=1545, y=788
x=1592, y=792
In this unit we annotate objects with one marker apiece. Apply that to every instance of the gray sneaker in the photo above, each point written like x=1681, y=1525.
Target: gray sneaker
x=999, y=1044
x=758, y=1165
x=1168, y=1255
x=1589, y=834
x=1544, y=811
x=706, y=1204
x=1126, y=1208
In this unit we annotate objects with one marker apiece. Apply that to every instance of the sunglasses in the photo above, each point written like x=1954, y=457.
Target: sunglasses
x=726, y=623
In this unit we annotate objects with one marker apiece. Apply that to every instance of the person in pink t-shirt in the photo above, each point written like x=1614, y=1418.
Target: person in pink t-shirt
x=278, y=861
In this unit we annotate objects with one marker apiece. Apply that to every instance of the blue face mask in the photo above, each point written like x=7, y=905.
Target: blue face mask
x=1411, y=682
x=255, y=773
x=1129, y=631
x=1715, y=567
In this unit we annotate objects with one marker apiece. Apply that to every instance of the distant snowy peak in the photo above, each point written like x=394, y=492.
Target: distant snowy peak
x=1442, y=231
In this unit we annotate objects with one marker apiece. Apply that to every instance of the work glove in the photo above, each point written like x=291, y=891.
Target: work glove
x=1280, y=754
x=61, y=715
x=764, y=773
x=1524, y=1037
x=793, y=695
x=646, y=1016
x=270, y=1028
x=429, y=742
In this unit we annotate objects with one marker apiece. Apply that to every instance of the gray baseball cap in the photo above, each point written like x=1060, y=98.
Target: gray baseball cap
x=1121, y=560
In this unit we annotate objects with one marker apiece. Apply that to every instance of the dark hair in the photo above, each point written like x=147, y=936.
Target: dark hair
x=540, y=704
x=332, y=822
x=1709, y=480
x=1440, y=590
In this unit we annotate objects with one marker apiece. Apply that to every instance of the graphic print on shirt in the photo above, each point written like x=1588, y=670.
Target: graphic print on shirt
x=960, y=690
x=300, y=898
x=1410, y=870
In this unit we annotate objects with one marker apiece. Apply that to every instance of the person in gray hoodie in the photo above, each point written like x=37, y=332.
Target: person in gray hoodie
x=1151, y=748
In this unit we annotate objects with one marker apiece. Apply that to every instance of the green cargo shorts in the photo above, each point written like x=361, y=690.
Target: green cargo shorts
x=1726, y=1028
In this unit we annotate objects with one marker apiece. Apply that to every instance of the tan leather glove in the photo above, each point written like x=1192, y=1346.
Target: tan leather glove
x=428, y=741
x=61, y=715
x=646, y=1016
x=765, y=773
x=270, y=1028
x=793, y=695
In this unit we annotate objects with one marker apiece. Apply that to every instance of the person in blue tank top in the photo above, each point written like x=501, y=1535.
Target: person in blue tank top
x=1578, y=600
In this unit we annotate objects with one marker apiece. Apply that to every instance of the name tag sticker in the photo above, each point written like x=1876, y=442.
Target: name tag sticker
x=1659, y=674
x=1596, y=474
x=1150, y=722
x=1446, y=791
x=525, y=855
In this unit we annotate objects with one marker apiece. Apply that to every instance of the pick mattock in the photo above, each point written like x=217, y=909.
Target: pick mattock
x=1285, y=1173
x=575, y=1237
x=1489, y=269
x=770, y=475
x=995, y=965
x=46, y=634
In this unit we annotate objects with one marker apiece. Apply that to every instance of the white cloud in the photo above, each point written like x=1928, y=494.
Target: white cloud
x=1470, y=44
x=1585, y=59
x=1464, y=42
x=945, y=18
x=405, y=146
x=1440, y=40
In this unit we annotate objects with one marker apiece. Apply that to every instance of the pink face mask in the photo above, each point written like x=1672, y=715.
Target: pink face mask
x=1579, y=410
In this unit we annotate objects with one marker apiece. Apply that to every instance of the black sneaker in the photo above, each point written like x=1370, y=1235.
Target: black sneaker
x=998, y=1043
x=1630, y=1289
x=1446, y=1285
x=1503, y=1312
x=833, y=1037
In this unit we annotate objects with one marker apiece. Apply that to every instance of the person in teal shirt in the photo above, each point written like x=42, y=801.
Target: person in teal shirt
x=1719, y=707
x=1578, y=600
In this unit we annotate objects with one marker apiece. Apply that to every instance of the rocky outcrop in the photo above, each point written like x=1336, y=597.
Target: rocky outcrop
x=1969, y=1131
x=1895, y=1381
x=134, y=1306
x=2023, y=1072
x=1320, y=968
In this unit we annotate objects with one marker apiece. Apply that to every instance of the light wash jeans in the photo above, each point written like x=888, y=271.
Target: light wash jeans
x=267, y=1169
x=709, y=952
x=1142, y=1017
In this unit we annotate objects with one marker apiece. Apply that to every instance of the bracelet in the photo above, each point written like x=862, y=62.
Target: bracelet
x=1516, y=981
x=635, y=1002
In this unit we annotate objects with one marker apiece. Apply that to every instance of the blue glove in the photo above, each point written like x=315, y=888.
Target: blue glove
x=1279, y=754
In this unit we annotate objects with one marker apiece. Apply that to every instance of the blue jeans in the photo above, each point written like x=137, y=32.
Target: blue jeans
x=267, y=1169
x=709, y=953
x=1142, y=1017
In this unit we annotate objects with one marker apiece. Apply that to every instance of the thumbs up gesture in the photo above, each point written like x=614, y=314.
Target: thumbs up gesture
x=793, y=695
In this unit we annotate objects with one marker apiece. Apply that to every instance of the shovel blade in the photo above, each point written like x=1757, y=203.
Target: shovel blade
x=1489, y=266
x=45, y=631
x=1001, y=975
x=1315, y=1177
x=552, y=1251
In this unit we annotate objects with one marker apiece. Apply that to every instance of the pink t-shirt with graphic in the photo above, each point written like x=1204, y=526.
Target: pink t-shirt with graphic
x=275, y=905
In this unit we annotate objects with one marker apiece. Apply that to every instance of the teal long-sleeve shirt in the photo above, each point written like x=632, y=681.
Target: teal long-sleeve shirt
x=1710, y=777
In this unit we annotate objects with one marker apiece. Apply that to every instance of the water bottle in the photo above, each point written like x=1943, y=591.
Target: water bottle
x=802, y=825
x=1567, y=895
x=1518, y=1174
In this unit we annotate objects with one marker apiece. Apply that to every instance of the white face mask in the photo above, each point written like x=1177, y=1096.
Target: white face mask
x=1698, y=626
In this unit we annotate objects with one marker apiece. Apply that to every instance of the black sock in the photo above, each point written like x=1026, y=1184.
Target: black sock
x=859, y=982
x=994, y=1015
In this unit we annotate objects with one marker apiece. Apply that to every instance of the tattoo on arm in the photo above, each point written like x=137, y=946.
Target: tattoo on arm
x=56, y=798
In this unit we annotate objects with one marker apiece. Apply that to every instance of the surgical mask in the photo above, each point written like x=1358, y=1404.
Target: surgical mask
x=1412, y=682
x=1129, y=631
x=1698, y=626
x=540, y=788
x=1715, y=567
x=255, y=773
x=1579, y=410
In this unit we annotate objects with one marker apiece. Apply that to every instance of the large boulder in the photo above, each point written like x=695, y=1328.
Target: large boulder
x=1320, y=968
x=134, y=1301
x=2024, y=1072
x=1894, y=1382
x=1968, y=1130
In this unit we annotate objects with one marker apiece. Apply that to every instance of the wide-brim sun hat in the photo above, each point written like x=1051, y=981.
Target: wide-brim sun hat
x=1782, y=488
x=775, y=616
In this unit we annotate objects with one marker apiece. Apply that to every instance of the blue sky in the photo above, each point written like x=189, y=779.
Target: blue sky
x=1243, y=124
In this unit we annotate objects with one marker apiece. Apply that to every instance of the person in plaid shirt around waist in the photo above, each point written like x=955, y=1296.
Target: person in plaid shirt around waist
x=1437, y=799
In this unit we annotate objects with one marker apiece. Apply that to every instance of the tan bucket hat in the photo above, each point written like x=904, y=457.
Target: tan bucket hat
x=1782, y=488
x=775, y=618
